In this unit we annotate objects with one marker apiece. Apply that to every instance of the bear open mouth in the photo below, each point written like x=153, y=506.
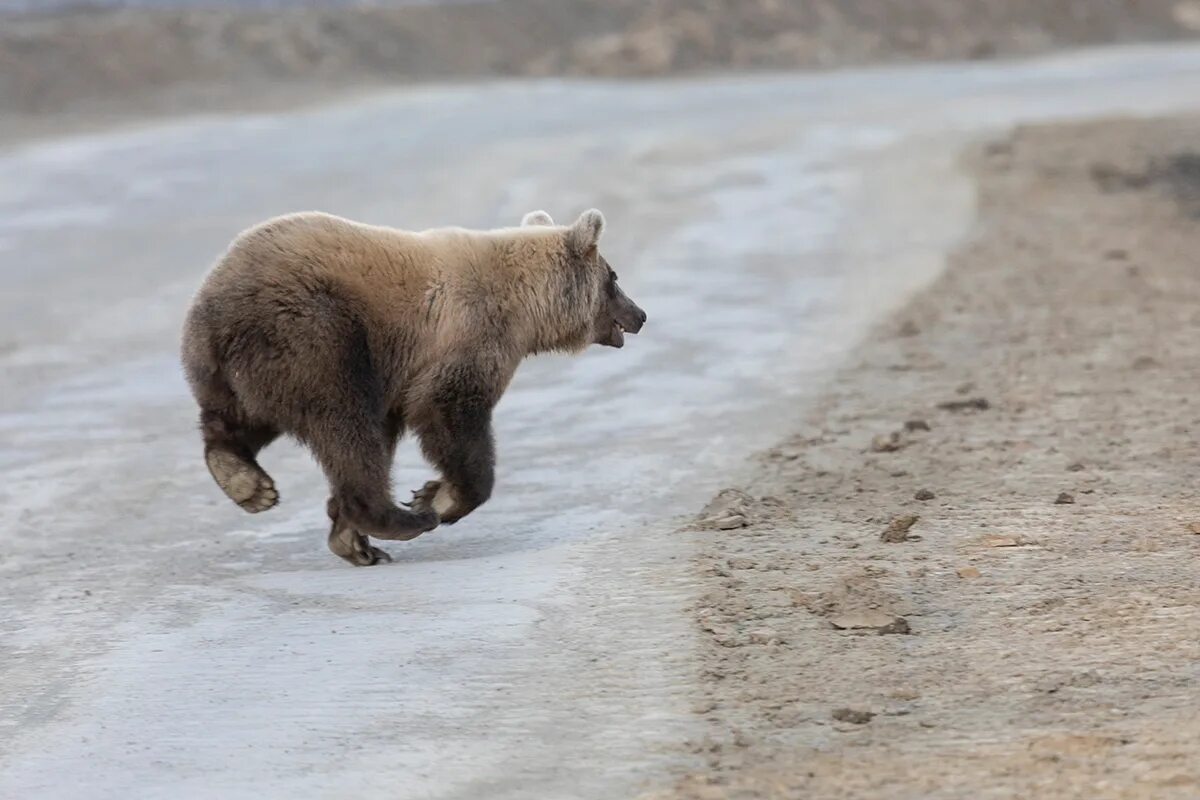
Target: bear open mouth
x=623, y=317
x=617, y=336
x=612, y=336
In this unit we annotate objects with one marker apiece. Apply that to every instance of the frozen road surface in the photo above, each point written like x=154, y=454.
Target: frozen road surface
x=156, y=642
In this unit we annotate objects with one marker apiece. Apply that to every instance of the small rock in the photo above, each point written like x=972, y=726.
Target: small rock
x=897, y=530
x=909, y=328
x=729, y=510
x=1116, y=254
x=913, y=425
x=973, y=404
x=729, y=522
x=1076, y=467
x=1064, y=499
x=764, y=636
x=904, y=693
x=968, y=572
x=924, y=494
x=898, y=625
x=886, y=443
x=1001, y=541
x=855, y=716
x=872, y=620
x=1195, y=528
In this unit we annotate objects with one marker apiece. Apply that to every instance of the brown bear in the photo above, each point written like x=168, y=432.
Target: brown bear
x=346, y=335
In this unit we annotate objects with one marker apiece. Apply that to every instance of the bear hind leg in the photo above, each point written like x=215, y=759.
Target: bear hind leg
x=346, y=541
x=355, y=453
x=230, y=447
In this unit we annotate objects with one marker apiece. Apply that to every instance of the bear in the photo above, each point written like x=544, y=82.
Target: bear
x=345, y=336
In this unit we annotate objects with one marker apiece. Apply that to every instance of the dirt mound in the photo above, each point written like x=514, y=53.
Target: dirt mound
x=126, y=59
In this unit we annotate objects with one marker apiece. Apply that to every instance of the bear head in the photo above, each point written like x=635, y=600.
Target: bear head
x=613, y=314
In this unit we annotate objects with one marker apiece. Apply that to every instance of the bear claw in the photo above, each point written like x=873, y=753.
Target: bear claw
x=422, y=499
x=356, y=548
x=369, y=555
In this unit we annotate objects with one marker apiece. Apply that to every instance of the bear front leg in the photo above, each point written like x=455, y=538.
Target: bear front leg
x=461, y=445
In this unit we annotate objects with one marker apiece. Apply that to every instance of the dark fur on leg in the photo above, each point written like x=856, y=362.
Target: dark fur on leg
x=458, y=440
x=344, y=540
x=355, y=452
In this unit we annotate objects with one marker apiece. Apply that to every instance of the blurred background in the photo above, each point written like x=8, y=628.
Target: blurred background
x=113, y=55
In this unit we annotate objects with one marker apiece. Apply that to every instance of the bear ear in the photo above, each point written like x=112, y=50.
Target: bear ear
x=538, y=217
x=584, y=235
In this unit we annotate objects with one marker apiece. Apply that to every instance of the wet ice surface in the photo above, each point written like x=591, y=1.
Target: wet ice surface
x=158, y=642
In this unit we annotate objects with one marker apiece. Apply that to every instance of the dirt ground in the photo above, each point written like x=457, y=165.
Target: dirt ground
x=110, y=64
x=1034, y=632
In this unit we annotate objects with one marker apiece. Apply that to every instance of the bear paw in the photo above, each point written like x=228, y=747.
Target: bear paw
x=366, y=554
x=356, y=548
x=244, y=482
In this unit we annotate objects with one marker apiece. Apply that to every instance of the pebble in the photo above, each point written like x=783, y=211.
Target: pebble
x=886, y=443
x=974, y=404
x=897, y=530
x=765, y=636
x=854, y=716
x=879, y=621
x=730, y=522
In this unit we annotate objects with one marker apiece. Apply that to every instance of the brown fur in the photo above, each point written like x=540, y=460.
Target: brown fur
x=344, y=335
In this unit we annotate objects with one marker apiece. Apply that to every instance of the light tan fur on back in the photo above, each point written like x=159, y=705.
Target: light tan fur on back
x=506, y=290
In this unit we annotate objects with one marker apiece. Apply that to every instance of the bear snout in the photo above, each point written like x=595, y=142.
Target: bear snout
x=630, y=318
